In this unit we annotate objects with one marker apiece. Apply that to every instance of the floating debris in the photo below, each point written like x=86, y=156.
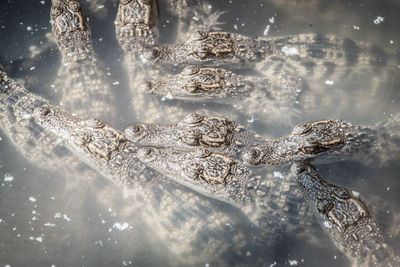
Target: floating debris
x=290, y=51
x=379, y=20
x=8, y=177
x=120, y=226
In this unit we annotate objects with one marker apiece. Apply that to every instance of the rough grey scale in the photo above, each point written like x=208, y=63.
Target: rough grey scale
x=81, y=78
x=346, y=218
x=331, y=139
x=195, y=130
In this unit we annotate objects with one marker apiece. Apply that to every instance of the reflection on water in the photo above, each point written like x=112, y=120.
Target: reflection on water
x=48, y=218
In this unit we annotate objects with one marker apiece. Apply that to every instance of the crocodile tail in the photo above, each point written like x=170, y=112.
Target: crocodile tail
x=388, y=142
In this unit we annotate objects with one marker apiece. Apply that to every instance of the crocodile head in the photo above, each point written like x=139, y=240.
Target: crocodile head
x=306, y=141
x=197, y=83
x=197, y=165
x=194, y=130
x=92, y=138
x=135, y=23
x=201, y=47
x=206, y=131
x=334, y=205
x=67, y=17
x=205, y=46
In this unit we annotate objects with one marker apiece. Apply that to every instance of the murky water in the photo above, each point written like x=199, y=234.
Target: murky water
x=55, y=219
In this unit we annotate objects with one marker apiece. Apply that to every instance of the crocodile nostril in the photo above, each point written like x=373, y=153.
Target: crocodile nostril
x=146, y=86
x=145, y=151
x=136, y=129
x=43, y=111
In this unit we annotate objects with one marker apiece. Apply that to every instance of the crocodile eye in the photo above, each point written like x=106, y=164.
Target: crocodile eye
x=302, y=128
x=341, y=192
x=201, y=153
x=95, y=123
x=198, y=35
x=252, y=156
x=190, y=139
x=202, y=53
x=145, y=151
x=124, y=2
x=146, y=154
x=56, y=11
x=74, y=6
x=81, y=139
x=190, y=70
x=191, y=87
x=193, y=118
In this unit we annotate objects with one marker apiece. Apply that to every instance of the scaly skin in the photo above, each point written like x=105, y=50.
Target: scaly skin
x=330, y=139
x=195, y=130
x=300, y=50
x=210, y=47
x=346, y=218
x=108, y=151
x=134, y=25
x=81, y=78
x=136, y=32
x=278, y=93
x=16, y=122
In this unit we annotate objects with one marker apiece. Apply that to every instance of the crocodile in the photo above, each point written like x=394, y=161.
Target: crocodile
x=221, y=176
x=248, y=94
x=346, y=218
x=303, y=50
x=330, y=139
x=195, y=130
x=81, y=77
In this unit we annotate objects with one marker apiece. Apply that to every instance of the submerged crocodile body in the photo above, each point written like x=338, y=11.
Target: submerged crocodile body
x=195, y=130
x=301, y=50
x=377, y=145
x=346, y=218
x=247, y=94
x=81, y=77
